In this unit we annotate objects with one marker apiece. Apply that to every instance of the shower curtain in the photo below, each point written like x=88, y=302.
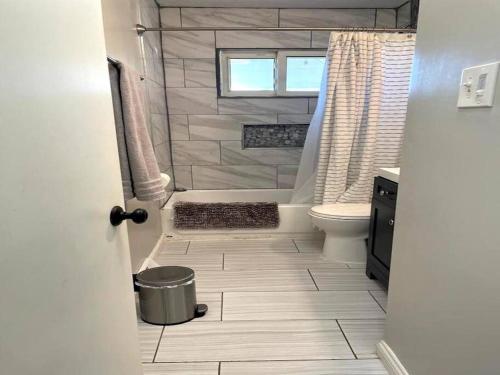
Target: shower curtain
x=359, y=119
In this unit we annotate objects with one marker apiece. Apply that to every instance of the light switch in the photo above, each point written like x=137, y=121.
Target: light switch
x=477, y=88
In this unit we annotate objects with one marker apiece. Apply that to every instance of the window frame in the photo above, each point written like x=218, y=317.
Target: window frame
x=225, y=77
x=280, y=60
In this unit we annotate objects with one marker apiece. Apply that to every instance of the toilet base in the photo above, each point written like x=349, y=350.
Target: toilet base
x=345, y=250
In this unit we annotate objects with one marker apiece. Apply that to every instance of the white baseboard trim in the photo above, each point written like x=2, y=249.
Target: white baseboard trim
x=149, y=262
x=390, y=360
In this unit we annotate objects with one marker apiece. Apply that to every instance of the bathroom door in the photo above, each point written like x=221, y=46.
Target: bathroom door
x=67, y=305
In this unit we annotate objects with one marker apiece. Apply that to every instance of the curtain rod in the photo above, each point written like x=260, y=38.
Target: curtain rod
x=142, y=29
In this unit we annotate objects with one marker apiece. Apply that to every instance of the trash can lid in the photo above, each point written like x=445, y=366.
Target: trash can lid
x=165, y=276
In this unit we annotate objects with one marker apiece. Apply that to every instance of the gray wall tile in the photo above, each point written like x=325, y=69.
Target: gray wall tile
x=320, y=39
x=229, y=17
x=327, y=17
x=233, y=154
x=263, y=39
x=196, y=152
x=262, y=105
x=152, y=62
x=197, y=115
x=162, y=152
x=313, y=102
x=183, y=176
x=223, y=127
x=294, y=119
x=404, y=15
x=200, y=72
x=152, y=49
x=174, y=72
x=170, y=17
x=152, y=40
x=188, y=44
x=159, y=128
x=386, y=18
x=286, y=176
x=235, y=177
x=179, y=127
x=156, y=96
x=192, y=101
x=149, y=14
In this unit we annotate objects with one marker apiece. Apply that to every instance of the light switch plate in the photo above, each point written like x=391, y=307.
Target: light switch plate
x=478, y=85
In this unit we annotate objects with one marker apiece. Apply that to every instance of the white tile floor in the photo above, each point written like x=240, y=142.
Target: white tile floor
x=275, y=307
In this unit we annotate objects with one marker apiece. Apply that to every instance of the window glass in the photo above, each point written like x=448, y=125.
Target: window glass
x=304, y=73
x=251, y=74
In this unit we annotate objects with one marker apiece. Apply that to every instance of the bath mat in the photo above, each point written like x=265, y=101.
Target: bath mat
x=233, y=215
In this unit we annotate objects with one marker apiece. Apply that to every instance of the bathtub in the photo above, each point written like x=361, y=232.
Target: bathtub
x=294, y=219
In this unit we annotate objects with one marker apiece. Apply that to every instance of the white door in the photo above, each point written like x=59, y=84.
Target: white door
x=65, y=281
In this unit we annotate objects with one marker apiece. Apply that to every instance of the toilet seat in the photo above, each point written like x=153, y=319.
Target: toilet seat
x=342, y=211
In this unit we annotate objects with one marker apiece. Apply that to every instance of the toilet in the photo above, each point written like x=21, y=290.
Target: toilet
x=346, y=227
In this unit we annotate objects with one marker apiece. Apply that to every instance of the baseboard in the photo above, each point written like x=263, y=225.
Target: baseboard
x=390, y=360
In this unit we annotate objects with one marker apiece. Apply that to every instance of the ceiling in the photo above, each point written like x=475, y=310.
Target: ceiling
x=283, y=3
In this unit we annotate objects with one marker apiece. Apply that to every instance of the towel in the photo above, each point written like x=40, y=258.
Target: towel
x=139, y=167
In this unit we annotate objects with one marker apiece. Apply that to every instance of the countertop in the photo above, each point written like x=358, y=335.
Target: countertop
x=391, y=174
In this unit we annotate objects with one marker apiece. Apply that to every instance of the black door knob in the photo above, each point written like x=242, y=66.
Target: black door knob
x=118, y=214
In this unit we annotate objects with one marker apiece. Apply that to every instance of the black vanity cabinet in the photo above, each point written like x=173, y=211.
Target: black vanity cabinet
x=381, y=230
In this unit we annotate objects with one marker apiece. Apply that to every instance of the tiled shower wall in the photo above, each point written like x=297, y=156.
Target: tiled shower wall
x=205, y=129
x=155, y=87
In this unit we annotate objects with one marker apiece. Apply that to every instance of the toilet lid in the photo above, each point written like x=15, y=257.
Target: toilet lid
x=343, y=211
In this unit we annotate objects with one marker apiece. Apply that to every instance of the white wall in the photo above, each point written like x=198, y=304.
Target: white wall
x=444, y=301
x=122, y=43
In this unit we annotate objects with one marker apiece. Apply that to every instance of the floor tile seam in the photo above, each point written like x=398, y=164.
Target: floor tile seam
x=345, y=338
x=279, y=320
x=268, y=360
x=378, y=303
x=159, y=343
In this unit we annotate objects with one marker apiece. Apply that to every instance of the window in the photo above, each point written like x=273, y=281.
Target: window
x=270, y=72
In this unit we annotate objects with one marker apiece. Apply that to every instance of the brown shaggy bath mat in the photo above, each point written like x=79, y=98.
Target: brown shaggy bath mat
x=191, y=215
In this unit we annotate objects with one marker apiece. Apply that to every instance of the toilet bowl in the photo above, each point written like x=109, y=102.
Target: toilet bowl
x=346, y=227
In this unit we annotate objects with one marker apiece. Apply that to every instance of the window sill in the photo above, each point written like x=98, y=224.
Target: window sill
x=267, y=97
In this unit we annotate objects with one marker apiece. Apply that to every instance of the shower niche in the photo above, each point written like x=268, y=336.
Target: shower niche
x=274, y=136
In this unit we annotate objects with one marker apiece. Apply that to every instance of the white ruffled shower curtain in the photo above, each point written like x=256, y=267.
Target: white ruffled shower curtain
x=359, y=119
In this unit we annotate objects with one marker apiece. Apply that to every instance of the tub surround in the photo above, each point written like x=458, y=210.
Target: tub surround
x=293, y=217
x=203, y=124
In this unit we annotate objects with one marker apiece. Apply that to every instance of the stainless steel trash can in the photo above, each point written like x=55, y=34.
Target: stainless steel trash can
x=167, y=295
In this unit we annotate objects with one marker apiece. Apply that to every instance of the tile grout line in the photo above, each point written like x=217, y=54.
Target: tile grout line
x=295, y=244
x=268, y=360
x=223, y=257
x=222, y=306
x=378, y=303
x=158, y=346
x=345, y=337
x=280, y=320
x=312, y=278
